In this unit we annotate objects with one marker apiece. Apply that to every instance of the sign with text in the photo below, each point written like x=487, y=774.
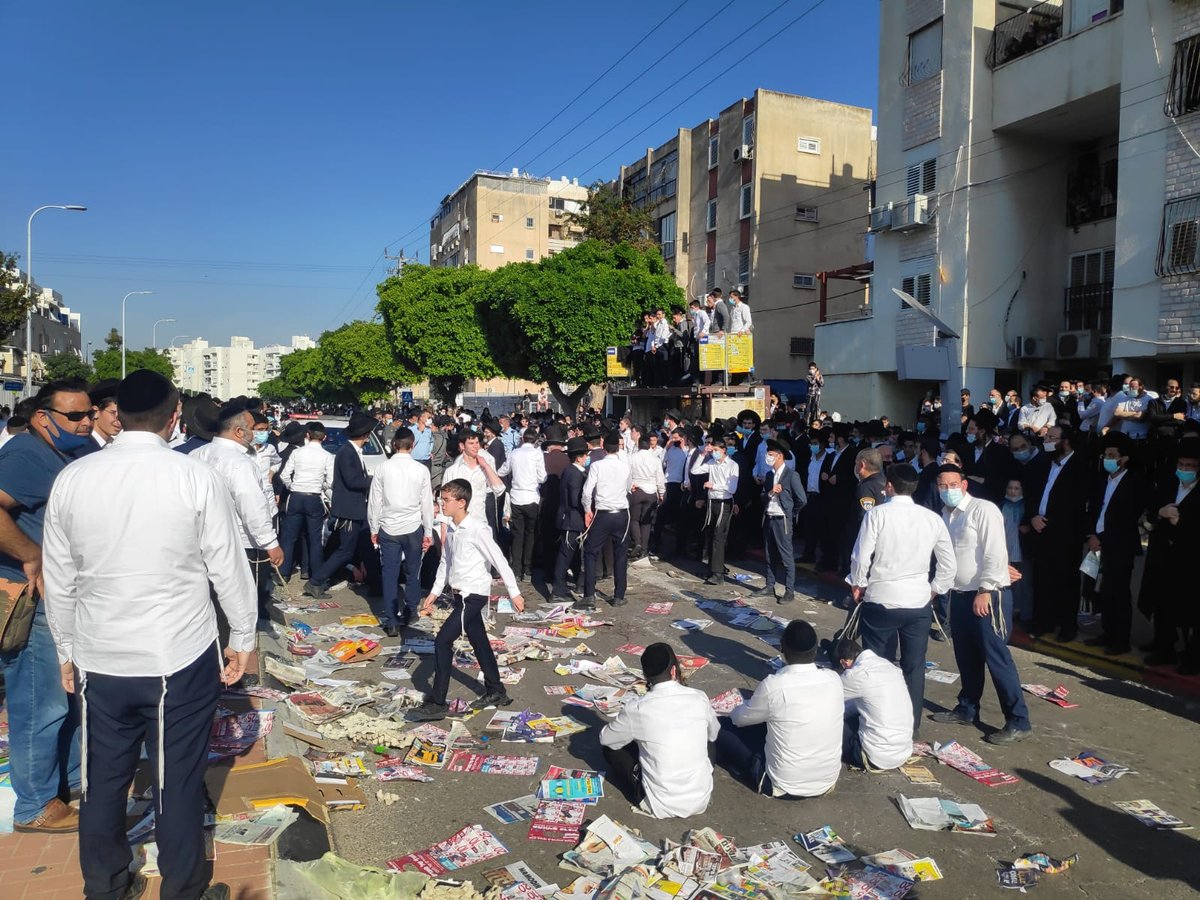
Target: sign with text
x=741, y=352
x=712, y=353
x=614, y=365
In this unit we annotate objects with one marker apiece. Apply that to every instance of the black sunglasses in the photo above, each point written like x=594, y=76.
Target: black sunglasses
x=72, y=416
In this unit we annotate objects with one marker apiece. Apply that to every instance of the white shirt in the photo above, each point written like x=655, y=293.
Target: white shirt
x=480, y=485
x=722, y=478
x=1056, y=467
x=891, y=555
x=468, y=556
x=804, y=710
x=701, y=322
x=739, y=319
x=1136, y=405
x=606, y=488
x=1035, y=418
x=1109, y=486
x=401, y=499
x=233, y=462
x=703, y=460
x=1089, y=413
x=101, y=440
x=133, y=538
x=814, y=473
x=309, y=470
x=1182, y=492
x=675, y=464
x=977, y=529
x=646, y=472
x=875, y=689
x=672, y=726
x=267, y=460
x=528, y=467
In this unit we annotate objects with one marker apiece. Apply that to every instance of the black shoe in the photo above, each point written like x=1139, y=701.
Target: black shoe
x=619, y=601
x=314, y=590
x=953, y=717
x=937, y=635
x=484, y=701
x=587, y=604
x=1162, y=658
x=137, y=888
x=1008, y=735
x=787, y=597
x=712, y=579
x=428, y=712
x=391, y=630
x=218, y=891
x=1118, y=650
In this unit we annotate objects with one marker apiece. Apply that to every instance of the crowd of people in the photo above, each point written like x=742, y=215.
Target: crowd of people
x=666, y=351
x=127, y=513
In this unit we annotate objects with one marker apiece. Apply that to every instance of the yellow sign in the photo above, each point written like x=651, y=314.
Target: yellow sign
x=741, y=352
x=712, y=354
x=614, y=366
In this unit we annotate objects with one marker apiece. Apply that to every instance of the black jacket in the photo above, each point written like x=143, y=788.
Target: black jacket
x=1120, y=535
x=1066, y=508
x=570, y=500
x=351, y=483
x=792, y=498
x=995, y=466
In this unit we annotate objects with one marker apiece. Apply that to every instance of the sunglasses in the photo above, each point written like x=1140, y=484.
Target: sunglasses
x=72, y=416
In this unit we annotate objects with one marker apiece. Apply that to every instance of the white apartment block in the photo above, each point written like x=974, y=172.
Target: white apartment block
x=1039, y=191
x=233, y=371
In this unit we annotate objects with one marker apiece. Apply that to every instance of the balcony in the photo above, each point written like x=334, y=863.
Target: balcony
x=1088, y=307
x=1092, y=193
x=1031, y=30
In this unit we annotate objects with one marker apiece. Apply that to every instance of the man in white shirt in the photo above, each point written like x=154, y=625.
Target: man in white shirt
x=266, y=458
x=982, y=619
x=477, y=467
x=786, y=740
x=229, y=455
x=606, y=516
x=527, y=465
x=739, y=314
x=469, y=554
x=1133, y=411
x=308, y=476
x=889, y=575
x=648, y=485
x=1036, y=417
x=400, y=516
x=656, y=749
x=721, y=484
x=878, y=729
x=134, y=538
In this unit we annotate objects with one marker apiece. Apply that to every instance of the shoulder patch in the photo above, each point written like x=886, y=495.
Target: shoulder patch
x=867, y=503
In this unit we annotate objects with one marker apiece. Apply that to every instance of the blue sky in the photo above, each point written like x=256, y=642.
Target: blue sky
x=249, y=161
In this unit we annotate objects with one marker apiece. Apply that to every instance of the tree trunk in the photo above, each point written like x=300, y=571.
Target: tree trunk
x=569, y=402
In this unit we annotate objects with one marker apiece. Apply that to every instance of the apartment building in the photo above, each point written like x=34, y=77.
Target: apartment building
x=495, y=218
x=233, y=371
x=1038, y=191
x=772, y=191
x=273, y=353
x=56, y=329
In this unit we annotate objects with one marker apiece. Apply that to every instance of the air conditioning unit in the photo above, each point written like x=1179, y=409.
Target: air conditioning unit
x=915, y=212
x=1078, y=344
x=1028, y=348
x=881, y=218
x=746, y=151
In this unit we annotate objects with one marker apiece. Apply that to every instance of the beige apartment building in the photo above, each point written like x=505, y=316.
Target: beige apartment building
x=763, y=198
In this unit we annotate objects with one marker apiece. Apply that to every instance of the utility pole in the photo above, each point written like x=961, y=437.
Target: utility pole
x=400, y=262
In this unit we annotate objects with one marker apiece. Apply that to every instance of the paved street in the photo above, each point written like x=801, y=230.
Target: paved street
x=1151, y=732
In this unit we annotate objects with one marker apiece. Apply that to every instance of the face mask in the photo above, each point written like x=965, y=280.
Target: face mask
x=814, y=449
x=1014, y=499
x=900, y=456
x=764, y=434
x=1038, y=401
x=68, y=443
x=1111, y=465
x=832, y=445
x=261, y=437
x=920, y=428
x=972, y=438
x=1063, y=395
x=719, y=455
x=995, y=401
x=1050, y=446
x=587, y=461
x=743, y=430
x=1185, y=477
x=772, y=460
x=951, y=497
x=1022, y=455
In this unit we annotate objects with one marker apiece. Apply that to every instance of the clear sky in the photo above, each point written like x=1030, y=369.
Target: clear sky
x=250, y=161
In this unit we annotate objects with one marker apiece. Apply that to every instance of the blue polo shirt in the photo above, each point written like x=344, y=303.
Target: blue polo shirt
x=28, y=467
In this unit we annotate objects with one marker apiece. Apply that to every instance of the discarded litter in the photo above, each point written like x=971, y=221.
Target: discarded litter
x=519, y=809
x=825, y=845
x=691, y=624
x=940, y=814
x=1089, y=767
x=725, y=703
x=1151, y=816
x=660, y=609
x=1027, y=871
x=261, y=828
x=956, y=756
x=1057, y=696
x=941, y=676
x=467, y=847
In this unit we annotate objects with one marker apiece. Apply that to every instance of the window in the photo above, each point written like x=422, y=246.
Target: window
x=496, y=217
x=710, y=275
x=744, y=267
x=746, y=201
x=710, y=219
x=922, y=178
x=529, y=253
x=663, y=175
x=666, y=235
x=804, y=281
x=529, y=221
x=497, y=248
x=748, y=130
x=808, y=145
x=801, y=346
x=1183, y=93
x=558, y=203
x=714, y=149
x=925, y=52
x=1093, y=267
x=1088, y=301
x=919, y=286
x=806, y=214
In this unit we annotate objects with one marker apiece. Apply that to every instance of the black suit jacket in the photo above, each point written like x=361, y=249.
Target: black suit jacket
x=1120, y=535
x=996, y=466
x=570, y=500
x=1066, y=508
x=351, y=484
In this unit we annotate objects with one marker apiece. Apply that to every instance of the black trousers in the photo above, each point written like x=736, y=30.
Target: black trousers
x=351, y=539
x=567, y=558
x=261, y=567
x=1056, y=585
x=465, y=616
x=1115, y=598
x=606, y=526
x=814, y=524
x=624, y=772
x=119, y=714
x=691, y=521
x=668, y=514
x=641, y=517
x=720, y=514
x=524, y=525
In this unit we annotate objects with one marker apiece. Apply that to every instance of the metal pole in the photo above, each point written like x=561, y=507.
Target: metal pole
x=29, y=291
x=123, y=341
x=154, y=332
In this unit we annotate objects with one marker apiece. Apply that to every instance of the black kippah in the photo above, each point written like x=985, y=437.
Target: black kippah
x=657, y=659
x=230, y=410
x=799, y=637
x=142, y=391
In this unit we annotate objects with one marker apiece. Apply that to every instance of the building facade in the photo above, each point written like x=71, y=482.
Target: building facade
x=56, y=329
x=233, y=371
x=1038, y=191
x=762, y=198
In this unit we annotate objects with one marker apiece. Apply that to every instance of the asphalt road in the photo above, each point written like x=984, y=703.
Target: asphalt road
x=1153, y=733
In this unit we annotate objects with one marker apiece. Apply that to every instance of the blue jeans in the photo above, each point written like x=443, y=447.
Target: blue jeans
x=394, y=551
x=852, y=750
x=43, y=723
x=302, y=513
x=882, y=629
x=977, y=645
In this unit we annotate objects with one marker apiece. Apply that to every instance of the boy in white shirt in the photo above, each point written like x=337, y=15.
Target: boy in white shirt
x=721, y=485
x=878, y=728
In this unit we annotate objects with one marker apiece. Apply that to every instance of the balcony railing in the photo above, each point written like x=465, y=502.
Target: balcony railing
x=1088, y=306
x=1036, y=27
x=1092, y=195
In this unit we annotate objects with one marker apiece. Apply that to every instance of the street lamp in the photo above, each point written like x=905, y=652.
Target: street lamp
x=154, y=332
x=29, y=291
x=177, y=337
x=123, y=341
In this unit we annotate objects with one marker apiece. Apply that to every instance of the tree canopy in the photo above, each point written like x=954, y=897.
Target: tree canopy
x=359, y=357
x=13, y=305
x=107, y=363
x=611, y=218
x=67, y=365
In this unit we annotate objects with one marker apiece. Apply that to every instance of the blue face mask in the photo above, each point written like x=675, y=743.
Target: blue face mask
x=1185, y=477
x=814, y=449
x=261, y=437
x=743, y=430
x=68, y=443
x=972, y=438
x=920, y=428
x=1111, y=465
x=951, y=497
x=1022, y=455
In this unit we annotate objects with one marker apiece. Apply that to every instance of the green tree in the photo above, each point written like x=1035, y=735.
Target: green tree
x=107, y=363
x=611, y=218
x=362, y=359
x=13, y=304
x=555, y=318
x=66, y=365
x=438, y=327
x=310, y=374
x=113, y=339
x=276, y=389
